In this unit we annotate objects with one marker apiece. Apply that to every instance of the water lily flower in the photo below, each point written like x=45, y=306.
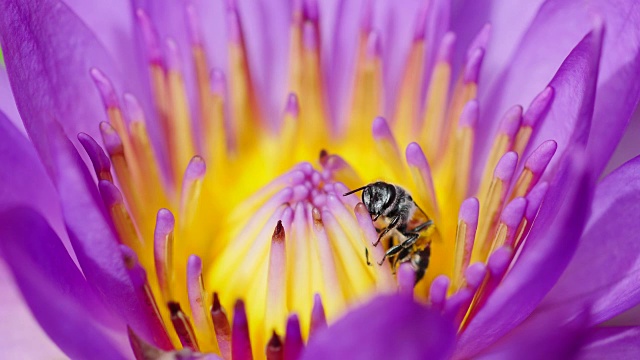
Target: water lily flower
x=184, y=188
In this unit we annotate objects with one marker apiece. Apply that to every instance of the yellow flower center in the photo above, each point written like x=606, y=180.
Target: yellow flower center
x=265, y=222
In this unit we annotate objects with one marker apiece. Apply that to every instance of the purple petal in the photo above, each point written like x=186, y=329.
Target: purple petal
x=339, y=24
x=542, y=336
x=611, y=343
x=388, y=327
x=604, y=271
x=114, y=26
x=556, y=28
x=509, y=20
x=21, y=336
x=93, y=238
x=24, y=180
x=265, y=26
x=437, y=24
x=629, y=146
x=7, y=103
x=169, y=20
x=48, y=53
x=210, y=17
x=546, y=253
x=54, y=288
x=569, y=117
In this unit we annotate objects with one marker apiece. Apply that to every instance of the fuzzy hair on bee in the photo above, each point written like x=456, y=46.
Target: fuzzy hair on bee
x=395, y=206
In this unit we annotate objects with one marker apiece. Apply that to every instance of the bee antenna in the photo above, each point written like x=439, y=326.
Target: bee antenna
x=356, y=190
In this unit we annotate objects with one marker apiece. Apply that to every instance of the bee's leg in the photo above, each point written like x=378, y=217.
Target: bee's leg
x=424, y=225
x=394, y=250
x=412, y=237
x=366, y=255
x=392, y=225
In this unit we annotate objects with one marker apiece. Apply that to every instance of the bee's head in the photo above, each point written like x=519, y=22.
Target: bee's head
x=377, y=197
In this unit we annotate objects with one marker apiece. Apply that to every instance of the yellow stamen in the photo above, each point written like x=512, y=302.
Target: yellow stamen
x=436, y=108
x=181, y=144
x=276, y=304
x=406, y=117
x=522, y=139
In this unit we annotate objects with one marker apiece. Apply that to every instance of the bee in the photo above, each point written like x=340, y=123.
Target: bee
x=395, y=206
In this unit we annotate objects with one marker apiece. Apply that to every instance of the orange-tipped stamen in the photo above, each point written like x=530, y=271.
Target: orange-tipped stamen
x=198, y=301
x=221, y=327
x=276, y=309
x=183, y=327
x=274, y=350
x=163, y=252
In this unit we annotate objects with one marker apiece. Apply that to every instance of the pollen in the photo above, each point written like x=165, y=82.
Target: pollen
x=234, y=224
